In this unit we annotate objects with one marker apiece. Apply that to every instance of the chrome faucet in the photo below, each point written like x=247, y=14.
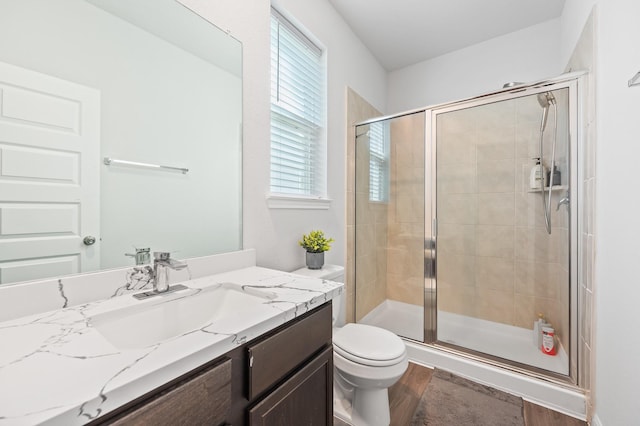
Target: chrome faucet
x=162, y=263
x=159, y=274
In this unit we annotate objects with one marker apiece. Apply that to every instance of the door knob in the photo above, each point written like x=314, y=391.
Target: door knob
x=89, y=240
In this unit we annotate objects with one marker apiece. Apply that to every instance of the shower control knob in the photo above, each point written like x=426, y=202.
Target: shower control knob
x=89, y=240
x=564, y=200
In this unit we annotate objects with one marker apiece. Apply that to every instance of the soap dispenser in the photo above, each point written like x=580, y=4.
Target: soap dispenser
x=538, y=173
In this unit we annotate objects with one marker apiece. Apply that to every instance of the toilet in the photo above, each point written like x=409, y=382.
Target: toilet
x=367, y=361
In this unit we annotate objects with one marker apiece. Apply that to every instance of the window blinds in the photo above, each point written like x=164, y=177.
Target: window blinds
x=378, y=162
x=296, y=110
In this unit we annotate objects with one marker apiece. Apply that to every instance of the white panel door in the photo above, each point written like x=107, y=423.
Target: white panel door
x=49, y=176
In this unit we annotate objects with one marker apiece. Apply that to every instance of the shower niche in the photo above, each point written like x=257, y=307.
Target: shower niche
x=454, y=248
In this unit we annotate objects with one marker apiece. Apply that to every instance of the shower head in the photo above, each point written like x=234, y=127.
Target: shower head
x=511, y=84
x=545, y=99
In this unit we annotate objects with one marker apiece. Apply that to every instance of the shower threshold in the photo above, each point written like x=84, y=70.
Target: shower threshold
x=501, y=340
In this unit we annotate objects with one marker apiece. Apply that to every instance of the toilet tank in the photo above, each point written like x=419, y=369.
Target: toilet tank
x=327, y=272
x=331, y=273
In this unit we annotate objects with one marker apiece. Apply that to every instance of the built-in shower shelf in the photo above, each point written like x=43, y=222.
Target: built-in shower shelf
x=554, y=188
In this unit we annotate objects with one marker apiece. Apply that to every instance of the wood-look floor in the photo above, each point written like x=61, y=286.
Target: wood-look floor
x=535, y=415
x=405, y=395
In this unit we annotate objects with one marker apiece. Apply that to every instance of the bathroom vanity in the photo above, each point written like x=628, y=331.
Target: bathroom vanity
x=261, y=353
x=257, y=383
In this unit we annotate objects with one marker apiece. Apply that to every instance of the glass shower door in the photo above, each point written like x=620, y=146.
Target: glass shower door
x=389, y=210
x=498, y=268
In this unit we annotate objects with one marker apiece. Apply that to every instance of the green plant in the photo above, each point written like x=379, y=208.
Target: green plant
x=315, y=242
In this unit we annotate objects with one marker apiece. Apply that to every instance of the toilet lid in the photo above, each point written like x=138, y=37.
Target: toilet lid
x=368, y=345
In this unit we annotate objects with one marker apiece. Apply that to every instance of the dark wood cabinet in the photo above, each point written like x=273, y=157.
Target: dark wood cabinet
x=304, y=399
x=284, y=377
x=203, y=398
x=273, y=357
x=291, y=373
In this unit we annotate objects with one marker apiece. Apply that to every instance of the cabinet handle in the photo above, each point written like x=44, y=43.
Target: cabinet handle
x=251, y=361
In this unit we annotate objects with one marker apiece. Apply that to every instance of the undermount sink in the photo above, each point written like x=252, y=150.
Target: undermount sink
x=166, y=316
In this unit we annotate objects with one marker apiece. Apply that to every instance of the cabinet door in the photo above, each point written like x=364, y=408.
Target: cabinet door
x=304, y=399
x=202, y=400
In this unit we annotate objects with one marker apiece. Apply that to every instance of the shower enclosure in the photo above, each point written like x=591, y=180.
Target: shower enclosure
x=461, y=241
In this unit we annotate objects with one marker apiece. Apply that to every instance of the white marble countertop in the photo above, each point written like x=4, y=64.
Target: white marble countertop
x=56, y=368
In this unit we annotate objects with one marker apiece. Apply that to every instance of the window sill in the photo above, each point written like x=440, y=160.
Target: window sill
x=276, y=201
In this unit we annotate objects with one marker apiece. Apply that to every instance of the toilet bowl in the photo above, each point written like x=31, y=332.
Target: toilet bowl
x=367, y=361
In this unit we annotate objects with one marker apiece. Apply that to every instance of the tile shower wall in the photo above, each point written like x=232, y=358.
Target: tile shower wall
x=495, y=260
x=405, y=226
x=370, y=238
x=371, y=220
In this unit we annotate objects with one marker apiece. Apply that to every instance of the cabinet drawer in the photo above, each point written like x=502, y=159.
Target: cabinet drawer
x=204, y=399
x=273, y=358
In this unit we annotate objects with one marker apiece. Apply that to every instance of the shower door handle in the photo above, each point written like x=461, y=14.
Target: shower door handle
x=429, y=244
x=429, y=257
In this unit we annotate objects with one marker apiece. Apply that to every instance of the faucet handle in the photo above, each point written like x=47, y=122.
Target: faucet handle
x=161, y=255
x=141, y=255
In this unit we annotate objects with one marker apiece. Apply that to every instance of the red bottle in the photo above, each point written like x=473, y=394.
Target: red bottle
x=548, y=341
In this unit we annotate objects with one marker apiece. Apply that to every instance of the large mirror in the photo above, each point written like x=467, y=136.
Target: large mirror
x=120, y=130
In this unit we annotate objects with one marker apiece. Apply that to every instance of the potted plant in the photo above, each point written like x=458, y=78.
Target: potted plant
x=315, y=244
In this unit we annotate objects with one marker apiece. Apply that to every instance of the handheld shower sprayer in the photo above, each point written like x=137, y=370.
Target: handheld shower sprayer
x=546, y=100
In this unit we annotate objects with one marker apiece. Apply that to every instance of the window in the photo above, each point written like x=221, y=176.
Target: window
x=297, y=112
x=378, y=162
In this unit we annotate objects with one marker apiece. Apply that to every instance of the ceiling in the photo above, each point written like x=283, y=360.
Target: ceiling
x=404, y=32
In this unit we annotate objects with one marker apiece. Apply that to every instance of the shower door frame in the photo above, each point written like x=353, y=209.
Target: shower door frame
x=573, y=82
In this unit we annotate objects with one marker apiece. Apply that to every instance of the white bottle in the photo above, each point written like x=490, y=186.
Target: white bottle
x=537, y=330
x=537, y=176
x=543, y=324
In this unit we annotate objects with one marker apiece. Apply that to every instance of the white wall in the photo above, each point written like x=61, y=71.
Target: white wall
x=526, y=55
x=274, y=233
x=617, y=342
x=574, y=16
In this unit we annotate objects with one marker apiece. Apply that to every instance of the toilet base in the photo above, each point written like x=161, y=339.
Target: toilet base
x=369, y=407
x=342, y=409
